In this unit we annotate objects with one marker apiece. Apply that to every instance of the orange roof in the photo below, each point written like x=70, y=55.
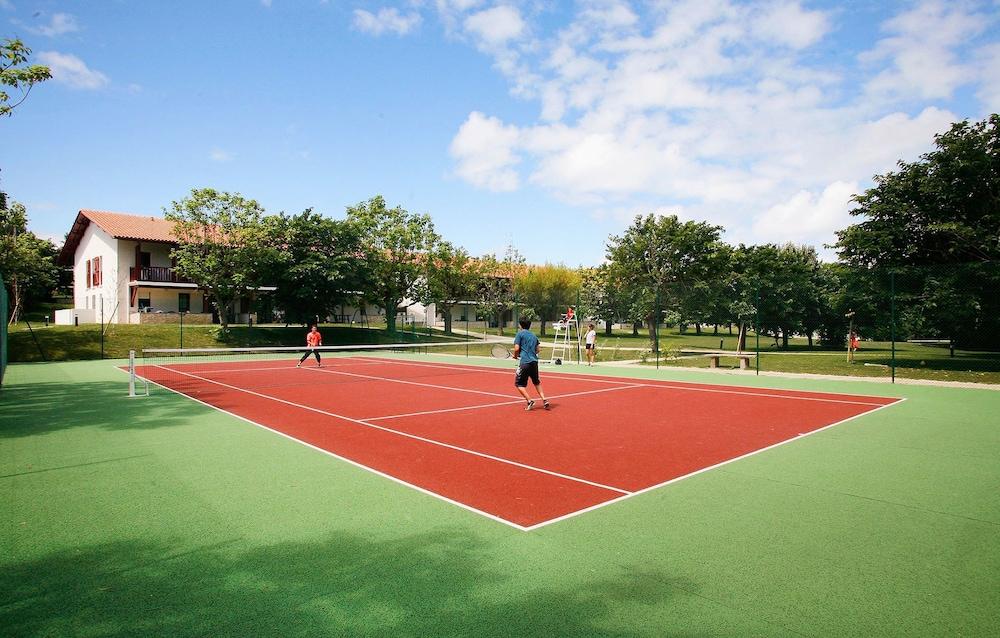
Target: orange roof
x=119, y=226
x=125, y=226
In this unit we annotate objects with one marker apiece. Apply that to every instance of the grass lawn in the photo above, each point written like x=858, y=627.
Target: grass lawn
x=161, y=516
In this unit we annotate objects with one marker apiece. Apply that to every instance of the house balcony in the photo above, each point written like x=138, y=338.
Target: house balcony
x=156, y=274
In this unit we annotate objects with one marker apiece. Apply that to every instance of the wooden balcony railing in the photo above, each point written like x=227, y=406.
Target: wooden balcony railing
x=156, y=273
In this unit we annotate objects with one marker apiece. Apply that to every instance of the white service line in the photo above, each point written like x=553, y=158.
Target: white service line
x=492, y=405
x=408, y=435
x=426, y=385
x=664, y=385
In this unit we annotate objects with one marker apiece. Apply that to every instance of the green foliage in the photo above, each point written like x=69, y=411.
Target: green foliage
x=318, y=265
x=944, y=208
x=225, y=245
x=452, y=277
x=13, y=54
x=667, y=262
x=496, y=284
x=27, y=263
x=546, y=291
x=396, y=245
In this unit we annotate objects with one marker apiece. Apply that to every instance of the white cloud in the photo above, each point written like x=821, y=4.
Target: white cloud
x=266, y=3
x=787, y=23
x=807, y=217
x=920, y=51
x=219, y=155
x=496, y=26
x=6, y=5
x=988, y=61
x=71, y=70
x=732, y=112
x=386, y=20
x=483, y=149
x=59, y=24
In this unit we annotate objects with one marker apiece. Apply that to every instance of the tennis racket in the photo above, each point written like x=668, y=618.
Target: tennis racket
x=501, y=352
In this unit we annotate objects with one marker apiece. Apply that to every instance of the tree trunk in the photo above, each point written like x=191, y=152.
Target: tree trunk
x=653, y=337
x=542, y=323
x=715, y=330
x=742, y=341
x=784, y=338
x=223, y=310
x=15, y=302
x=635, y=328
x=730, y=329
x=809, y=335
x=607, y=328
x=390, y=315
x=697, y=328
x=446, y=312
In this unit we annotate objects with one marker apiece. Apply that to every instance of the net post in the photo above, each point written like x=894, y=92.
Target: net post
x=131, y=374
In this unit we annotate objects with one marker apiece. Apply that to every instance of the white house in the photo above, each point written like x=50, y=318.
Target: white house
x=123, y=273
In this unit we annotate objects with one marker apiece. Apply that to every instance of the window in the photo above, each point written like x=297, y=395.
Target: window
x=96, y=271
x=144, y=260
x=143, y=304
x=184, y=302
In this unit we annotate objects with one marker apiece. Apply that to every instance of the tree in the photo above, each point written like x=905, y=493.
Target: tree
x=396, y=245
x=604, y=297
x=496, y=283
x=13, y=54
x=317, y=266
x=547, y=290
x=224, y=246
x=452, y=277
x=931, y=231
x=944, y=208
x=27, y=263
x=664, y=259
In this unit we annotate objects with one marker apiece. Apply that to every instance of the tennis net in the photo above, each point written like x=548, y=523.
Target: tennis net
x=275, y=366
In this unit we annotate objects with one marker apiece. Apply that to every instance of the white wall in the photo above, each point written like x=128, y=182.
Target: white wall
x=97, y=243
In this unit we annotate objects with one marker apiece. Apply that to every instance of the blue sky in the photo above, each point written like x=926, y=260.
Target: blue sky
x=547, y=124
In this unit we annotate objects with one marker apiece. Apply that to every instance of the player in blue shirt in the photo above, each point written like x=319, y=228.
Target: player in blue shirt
x=526, y=347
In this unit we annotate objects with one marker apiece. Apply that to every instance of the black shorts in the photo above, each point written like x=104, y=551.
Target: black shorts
x=524, y=372
x=590, y=346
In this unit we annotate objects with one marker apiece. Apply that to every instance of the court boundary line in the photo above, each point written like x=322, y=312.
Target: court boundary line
x=493, y=405
x=668, y=384
x=529, y=528
x=415, y=436
x=710, y=467
x=356, y=464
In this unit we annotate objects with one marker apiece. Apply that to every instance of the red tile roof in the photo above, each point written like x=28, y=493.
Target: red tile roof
x=125, y=226
x=118, y=225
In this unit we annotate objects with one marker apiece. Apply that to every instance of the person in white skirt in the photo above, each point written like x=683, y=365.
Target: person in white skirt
x=590, y=342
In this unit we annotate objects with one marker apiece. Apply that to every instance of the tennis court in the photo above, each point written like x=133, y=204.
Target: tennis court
x=645, y=503
x=459, y=431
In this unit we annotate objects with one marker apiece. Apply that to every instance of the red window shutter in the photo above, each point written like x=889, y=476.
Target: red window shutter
x=88, y=274
x=99, y=274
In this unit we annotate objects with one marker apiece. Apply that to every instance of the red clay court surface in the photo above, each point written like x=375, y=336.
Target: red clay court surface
x=461, y=433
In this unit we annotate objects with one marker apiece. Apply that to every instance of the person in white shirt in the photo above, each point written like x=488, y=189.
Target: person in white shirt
x=591, y=344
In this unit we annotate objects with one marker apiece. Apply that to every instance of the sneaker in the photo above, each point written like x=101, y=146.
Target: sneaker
x=547, y=406
x=319, y=365
x=530, y=405
x=298, y=365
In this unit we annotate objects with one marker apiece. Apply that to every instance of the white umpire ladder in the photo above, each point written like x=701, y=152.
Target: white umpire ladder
x=566, y=343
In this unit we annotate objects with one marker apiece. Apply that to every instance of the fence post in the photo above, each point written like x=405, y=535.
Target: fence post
x=756, y=331
x=892, y=319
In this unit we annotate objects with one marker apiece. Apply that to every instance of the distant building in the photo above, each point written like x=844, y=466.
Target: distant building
x=122, y=270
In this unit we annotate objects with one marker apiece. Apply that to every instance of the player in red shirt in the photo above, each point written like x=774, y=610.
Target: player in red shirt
x=313, y=340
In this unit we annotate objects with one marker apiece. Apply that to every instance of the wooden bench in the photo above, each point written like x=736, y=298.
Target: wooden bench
x=743, y=357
